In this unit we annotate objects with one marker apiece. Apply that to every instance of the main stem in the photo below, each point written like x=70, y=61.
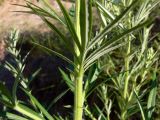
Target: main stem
x=127, y=77
x=78, y=95
x=127, y=61
x=123, y=115
x=79, y=71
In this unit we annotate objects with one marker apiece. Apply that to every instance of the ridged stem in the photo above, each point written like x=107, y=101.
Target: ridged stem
x=78, y=96
x=127, y=61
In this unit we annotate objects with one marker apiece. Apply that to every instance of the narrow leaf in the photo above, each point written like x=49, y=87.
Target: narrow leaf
x=68, y=81
x=152, y=96
x=85, y=21
x=68, y=43
x=140, y=106
x=107, y=47
x=55, y=53
x=41, y=108
x=108, y=28
x=4, y=91
x=12, y=116
x=70, y=25
x=57, y=98
x=28, y=112
x=6, y=103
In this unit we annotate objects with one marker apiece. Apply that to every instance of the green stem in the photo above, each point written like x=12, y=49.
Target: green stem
x=79, y=71
x=78, y=100
x=123, y=115
x=127, y=61
x=108, y=117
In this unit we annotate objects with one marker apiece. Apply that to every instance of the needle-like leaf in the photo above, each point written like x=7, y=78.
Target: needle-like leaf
x=108, y=46
x=55, y=53
x=85, y=21
x=71, y=28
x=42, y=109
x=140, y=106
x=12, y=116
x=115, y=22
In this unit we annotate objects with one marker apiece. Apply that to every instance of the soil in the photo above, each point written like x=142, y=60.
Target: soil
x=27, y=24
x=9, y=19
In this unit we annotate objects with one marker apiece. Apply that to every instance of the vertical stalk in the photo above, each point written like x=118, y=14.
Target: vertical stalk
x=127, y=67
x=78, y=96
x=123, y=115
x=79, y=72
x=108, y=116
x=127, y=61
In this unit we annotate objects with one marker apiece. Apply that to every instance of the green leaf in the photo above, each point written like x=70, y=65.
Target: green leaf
x=28, y=112
x=99, y=53
x=69, y=23
x=94, y=85
x=104, y=10
x=140, y=106
x=52, y=12
x=4, y=91
x=68, y=81
x=47, y=11
x=58, y=117
x=37, y=8
x=68, y=43
x=108, y=28
x=92, y=76
x=33, y=76
x=142, y=12
x=109, y=15
x=55, y=53
x=100, y=111
x=41, y=108
x=145, y=10
x=152, y=96
x=57, y=98
x=6, y=102
x=15, y=85
x=89, y=113
x=85, y=21
x=109, y=45
x=12, y=116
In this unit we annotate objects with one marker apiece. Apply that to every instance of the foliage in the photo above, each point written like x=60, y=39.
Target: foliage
x=111, y=64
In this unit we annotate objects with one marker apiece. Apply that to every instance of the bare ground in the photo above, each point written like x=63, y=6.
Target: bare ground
x=22, y=21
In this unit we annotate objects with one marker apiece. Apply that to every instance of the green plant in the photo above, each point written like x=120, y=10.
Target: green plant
x=84, y=43
x=136, y=68
x=87, y=51
x=10, y=100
